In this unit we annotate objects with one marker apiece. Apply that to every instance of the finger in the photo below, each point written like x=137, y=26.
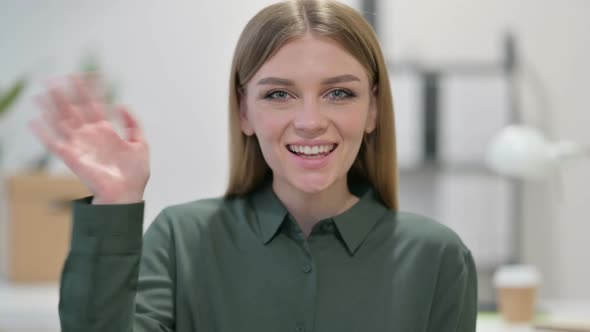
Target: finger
x=52, y=143
x=43, y=102
x=82, y=92
x=58, y=126
x=64, y=107
x=47, y=120
x=89, y=105
x=48, y=111
x=48, y=105
x=134, y=131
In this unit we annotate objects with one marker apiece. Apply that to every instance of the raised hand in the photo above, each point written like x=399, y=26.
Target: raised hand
x=75, y=128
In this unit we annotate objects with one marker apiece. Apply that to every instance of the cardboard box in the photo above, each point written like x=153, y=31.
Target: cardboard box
x=37, y=226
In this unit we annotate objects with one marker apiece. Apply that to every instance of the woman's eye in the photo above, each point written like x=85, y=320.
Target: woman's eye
x=339, y=94
x=277, y=95
x=336, y=95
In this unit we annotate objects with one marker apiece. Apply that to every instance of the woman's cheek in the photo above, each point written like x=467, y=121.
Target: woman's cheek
x=275, y=123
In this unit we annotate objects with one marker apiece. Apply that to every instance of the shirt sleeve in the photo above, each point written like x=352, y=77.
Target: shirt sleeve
x=107, y=284
x=454, y=308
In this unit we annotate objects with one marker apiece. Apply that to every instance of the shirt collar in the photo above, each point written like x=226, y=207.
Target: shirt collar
x=353, y=225
x=269, y=210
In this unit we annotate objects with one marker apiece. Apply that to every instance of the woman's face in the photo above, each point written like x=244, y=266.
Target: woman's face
x=309, y=106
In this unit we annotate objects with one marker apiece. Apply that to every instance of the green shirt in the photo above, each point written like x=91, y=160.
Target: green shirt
x=242, y=264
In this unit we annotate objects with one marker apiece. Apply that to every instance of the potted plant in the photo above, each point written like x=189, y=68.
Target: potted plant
x=8, y=98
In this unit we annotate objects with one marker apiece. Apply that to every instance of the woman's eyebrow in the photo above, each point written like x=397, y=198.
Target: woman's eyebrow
x=276, y=81
x=287, y=82
x=340, y=79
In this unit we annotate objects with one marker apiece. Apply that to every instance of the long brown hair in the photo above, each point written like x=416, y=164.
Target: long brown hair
x=262, y=37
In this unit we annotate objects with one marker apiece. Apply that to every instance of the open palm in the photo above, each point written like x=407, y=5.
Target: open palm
x=74, y=127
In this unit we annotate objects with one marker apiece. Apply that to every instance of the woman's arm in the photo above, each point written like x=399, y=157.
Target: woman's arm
x=107, y=283
x=454, y=308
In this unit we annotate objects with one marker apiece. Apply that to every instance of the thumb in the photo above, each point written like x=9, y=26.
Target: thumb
x=134, y=132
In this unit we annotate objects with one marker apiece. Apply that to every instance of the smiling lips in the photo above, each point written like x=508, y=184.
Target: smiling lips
x=311, y=151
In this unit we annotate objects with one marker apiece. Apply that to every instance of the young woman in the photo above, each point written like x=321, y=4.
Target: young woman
x=308, y=236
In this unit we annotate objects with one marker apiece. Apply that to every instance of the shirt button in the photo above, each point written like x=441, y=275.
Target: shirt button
x=306, y=268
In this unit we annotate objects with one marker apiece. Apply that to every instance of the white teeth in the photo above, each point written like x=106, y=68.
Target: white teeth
x=311, y=150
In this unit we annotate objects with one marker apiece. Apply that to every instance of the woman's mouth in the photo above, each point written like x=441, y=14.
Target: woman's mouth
x=312, y=152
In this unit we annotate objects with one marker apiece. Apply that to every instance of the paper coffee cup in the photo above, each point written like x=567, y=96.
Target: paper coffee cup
x=516, y=289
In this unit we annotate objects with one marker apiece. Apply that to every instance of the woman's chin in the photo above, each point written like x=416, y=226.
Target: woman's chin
x=312, y=183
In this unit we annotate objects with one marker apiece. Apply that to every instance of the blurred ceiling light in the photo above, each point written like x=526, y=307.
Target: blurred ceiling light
x=524, y=152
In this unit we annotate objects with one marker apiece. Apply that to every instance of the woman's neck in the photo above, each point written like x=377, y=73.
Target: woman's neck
x=309, y=209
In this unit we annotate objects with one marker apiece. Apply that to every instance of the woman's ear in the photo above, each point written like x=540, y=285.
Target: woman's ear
x=373, y=109
x=245, y=123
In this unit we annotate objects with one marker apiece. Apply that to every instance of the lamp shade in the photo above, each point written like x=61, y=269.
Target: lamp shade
x=525, y=153
x=521, y=152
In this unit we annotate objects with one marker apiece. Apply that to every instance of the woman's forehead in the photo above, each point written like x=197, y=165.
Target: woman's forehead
x=311, y=59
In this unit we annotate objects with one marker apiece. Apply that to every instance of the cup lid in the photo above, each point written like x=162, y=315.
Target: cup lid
x=517, y=276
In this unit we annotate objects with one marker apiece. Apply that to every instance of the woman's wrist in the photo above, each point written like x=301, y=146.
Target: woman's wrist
x=130, y=199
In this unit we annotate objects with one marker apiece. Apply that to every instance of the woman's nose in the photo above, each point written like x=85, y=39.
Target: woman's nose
x=309, y=118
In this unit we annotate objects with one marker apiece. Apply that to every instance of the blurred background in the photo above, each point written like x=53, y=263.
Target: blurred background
x=462, y=72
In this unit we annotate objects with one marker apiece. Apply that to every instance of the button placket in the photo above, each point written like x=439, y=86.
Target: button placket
x=306, y=268
x=299, y=327
x=308, y=277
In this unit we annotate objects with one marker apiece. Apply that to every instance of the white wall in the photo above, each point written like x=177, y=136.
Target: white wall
x=554, y=38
